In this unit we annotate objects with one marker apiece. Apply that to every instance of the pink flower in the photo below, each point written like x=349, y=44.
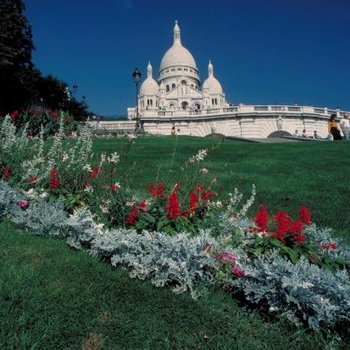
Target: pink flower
x=23, y=204
x=237, y=272
x=225, y=256
x=331, y=245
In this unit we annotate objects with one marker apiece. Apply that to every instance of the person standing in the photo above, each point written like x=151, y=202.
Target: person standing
x=345, y=126
x=333, y=128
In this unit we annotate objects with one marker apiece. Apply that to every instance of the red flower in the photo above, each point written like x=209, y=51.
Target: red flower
x=193, y=201
x=114, y=187
x=54, y=179
x=134, y=212
x=283, y=224
x=142, y=206
x=173, y=207
x=261, y=219
x=14, y=115
x=156, y=191
x=133, y=215
x=32, y=179
x=332, y=245
x=94, y=173
x=297, y=232
x=6, y=172
x=53, y=114
x=206, y=196
x=304, y=215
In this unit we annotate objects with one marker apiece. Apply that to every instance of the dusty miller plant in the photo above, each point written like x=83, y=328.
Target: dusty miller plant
x=8, y=200
x=173, y=261
x=43, y=218
x=82, y=228
x=303, y=292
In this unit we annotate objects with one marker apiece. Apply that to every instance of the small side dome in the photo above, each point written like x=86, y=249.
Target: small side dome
x=212, y=84
x=149, y=86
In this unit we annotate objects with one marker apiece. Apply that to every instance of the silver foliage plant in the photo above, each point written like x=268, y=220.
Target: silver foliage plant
x=300, y=291
x=303, y=292
x=172, y=261
x=42, y=218
x=8, y=200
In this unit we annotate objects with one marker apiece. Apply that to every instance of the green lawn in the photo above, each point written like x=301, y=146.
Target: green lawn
x=286, y=175
x=52, y=297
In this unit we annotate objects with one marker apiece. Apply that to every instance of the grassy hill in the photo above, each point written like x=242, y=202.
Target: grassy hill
x=53, y=297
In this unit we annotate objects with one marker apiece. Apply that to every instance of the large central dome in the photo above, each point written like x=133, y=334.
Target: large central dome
x=177, y=55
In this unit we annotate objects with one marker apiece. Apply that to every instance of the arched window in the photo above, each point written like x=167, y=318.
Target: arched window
x=167, y=88
x=173, y=86
x=184, y=105
x=183, y=82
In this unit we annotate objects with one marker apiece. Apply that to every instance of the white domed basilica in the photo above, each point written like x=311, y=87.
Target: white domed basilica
x=178, y=90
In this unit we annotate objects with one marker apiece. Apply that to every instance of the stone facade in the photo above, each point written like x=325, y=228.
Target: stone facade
x=178, y=88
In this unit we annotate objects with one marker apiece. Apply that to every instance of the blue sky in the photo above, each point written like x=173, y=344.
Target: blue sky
x=263, y=51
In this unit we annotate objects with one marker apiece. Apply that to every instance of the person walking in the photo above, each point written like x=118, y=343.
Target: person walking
x=345, y=126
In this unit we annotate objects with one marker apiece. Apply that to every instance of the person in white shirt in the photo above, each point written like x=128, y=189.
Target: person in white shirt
x=345, y=126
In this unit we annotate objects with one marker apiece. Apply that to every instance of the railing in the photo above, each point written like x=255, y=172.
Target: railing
x=248, y=109
x=261, y=108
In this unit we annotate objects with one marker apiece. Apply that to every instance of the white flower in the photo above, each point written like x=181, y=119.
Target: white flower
x=103, y=158
x=65, y=156
x=43, y=195
x=87, y=167
x=104, y=208
x=218, y=204
x=88, y=189
x=114, y=158
x=203, y=171
x=199, y=156
x=30, y=194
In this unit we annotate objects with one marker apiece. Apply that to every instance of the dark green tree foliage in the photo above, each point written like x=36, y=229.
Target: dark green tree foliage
x=54, y=94
x=17, y=73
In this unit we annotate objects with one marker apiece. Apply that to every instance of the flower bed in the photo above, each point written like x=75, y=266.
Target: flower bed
x=179, y=236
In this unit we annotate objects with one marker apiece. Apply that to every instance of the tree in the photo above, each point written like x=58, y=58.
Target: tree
x=55, y=94
x=17, y=73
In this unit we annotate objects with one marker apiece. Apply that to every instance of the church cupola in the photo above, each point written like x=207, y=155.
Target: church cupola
x=149, y=92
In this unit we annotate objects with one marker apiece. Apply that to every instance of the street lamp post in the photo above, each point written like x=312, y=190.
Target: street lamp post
x=136, y=75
